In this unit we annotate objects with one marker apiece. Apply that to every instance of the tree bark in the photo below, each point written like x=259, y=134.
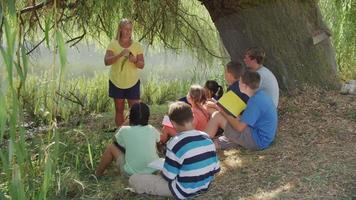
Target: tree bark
x=292, y=32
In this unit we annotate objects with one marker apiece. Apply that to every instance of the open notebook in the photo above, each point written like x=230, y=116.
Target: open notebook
x=167, y=122
x=232, y=103
x=157, y=164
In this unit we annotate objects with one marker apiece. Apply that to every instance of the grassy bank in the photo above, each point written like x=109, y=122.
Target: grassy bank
x=312, y=156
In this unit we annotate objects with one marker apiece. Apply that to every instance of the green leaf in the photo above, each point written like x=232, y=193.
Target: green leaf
x=3, y=115
x=124, y=62
x=47, y=178
x=62, y=50
x=24, y=63
x=11, y=7
x=90, y=155
x=47, y=23
x=17, y=190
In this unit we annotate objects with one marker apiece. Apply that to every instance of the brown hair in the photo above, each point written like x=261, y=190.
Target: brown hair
x=197, y=94
x=251, y=79
x=257, y=53
x=180, y=113
x=235, y=68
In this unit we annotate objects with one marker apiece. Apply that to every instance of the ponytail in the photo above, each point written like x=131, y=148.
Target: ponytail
x=219, y=92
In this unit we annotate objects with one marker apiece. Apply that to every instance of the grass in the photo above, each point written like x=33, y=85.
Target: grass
x=312, y=157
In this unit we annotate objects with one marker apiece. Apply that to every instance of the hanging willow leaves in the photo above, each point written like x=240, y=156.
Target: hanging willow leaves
x=62, y=49
x=46, y=30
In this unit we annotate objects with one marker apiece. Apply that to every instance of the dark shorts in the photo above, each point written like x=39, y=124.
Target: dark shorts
x=121, y=148
x=129, y=93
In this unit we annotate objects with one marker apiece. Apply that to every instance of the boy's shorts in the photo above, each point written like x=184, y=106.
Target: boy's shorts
x=232, y=138
x=129, y=93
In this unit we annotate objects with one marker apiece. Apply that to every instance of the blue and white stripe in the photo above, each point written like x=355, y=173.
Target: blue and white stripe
x=190, y=163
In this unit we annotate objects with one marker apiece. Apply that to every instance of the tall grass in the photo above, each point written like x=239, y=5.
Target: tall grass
x=23, y=176
x=77, y=97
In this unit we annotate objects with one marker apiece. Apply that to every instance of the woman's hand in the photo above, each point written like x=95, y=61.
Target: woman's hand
x=125, y=52
x=132, y=58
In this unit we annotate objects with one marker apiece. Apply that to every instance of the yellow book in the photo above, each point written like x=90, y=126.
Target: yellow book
x=232, y=103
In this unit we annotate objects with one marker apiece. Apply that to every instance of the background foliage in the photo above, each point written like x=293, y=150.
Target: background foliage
x=340, y=16
x=39, y=168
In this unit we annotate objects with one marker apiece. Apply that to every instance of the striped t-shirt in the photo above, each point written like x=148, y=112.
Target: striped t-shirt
x=190, y=163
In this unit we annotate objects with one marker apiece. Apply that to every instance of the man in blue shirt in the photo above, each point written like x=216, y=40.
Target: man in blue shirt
x=257, y=126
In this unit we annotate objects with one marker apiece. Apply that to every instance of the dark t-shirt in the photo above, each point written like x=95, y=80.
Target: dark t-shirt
x=236, y=89
x=184, y=99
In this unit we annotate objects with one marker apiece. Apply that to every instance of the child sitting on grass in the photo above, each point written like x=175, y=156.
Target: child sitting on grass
x=134, y=146
x=232, y=74
x=190, y=163
x=212, y=91
x=257, y=126
x=196, y=98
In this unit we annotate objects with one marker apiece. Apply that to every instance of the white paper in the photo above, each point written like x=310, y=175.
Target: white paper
x=157, y=164
x=167, y=122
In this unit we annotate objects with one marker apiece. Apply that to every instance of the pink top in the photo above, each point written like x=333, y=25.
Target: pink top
x=201, y=118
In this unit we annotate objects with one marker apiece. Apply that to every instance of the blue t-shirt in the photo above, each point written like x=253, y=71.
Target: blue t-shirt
x=261, y=115
x=236, y=89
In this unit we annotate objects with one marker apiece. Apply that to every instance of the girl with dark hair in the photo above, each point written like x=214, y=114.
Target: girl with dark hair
x=213, y=90
x=134, y=146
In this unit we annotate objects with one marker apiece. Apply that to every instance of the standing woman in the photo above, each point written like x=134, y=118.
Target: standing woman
x=125, y=57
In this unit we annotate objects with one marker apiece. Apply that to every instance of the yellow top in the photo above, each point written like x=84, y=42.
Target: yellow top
x=123, y=73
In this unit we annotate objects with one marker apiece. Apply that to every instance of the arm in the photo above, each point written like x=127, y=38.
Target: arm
x=110, y=58
x=171, y=166
x=138, y=60
x=234, y=122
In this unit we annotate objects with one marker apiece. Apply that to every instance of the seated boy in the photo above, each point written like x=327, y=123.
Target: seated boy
x=256, y=128
x=135, y=145
x=190, y=162
x=233, y=72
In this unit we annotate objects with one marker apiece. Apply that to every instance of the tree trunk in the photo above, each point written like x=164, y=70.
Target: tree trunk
x=292, y=32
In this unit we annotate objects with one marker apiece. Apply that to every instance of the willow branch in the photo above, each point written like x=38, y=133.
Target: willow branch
x=77, y=39
x=76, y=100
x=35, y=7
x=199, y=37
x=37, y=45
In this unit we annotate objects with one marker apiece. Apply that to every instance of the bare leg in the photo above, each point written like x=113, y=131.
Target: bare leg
x=216, y=121
x=119, y=111
x=133, y=101
x=216, y=143
x=111, y=153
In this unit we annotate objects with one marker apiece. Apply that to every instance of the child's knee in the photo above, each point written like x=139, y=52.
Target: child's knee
x=135, y=182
